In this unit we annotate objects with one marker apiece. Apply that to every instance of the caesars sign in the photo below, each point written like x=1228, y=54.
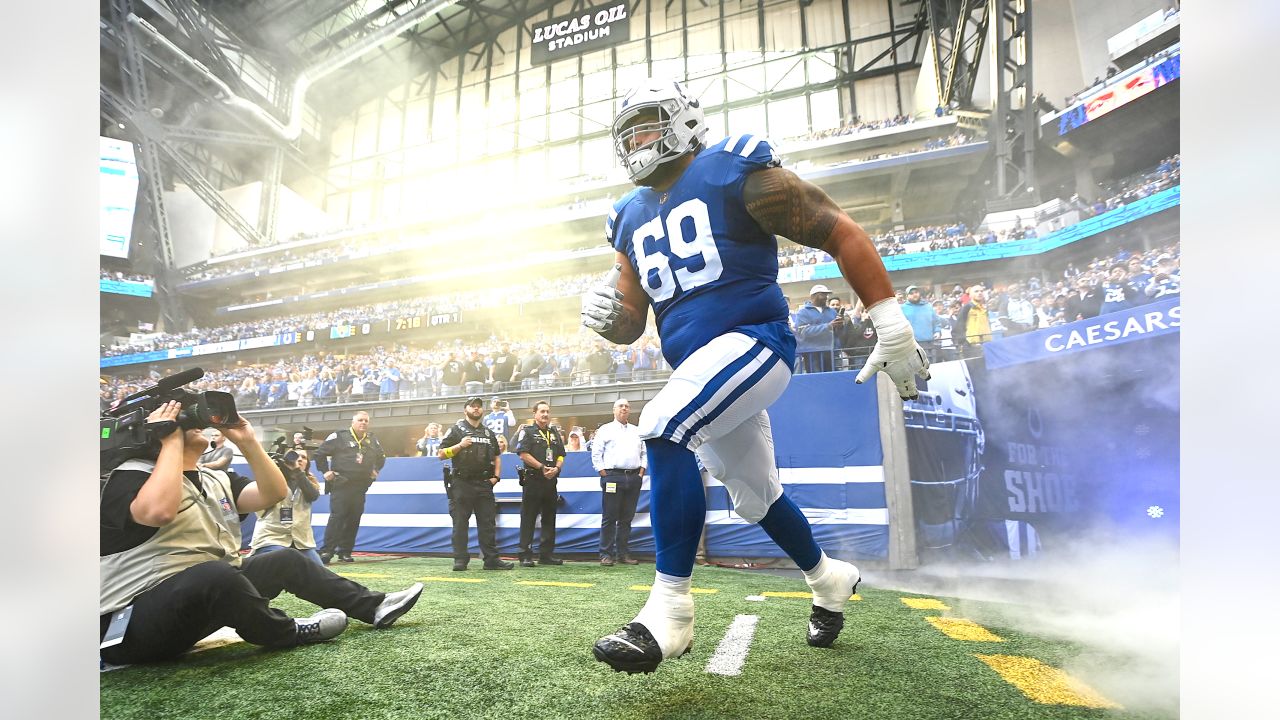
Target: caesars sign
x=590, y=29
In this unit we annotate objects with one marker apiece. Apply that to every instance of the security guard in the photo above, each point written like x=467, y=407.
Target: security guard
x=473, y=448
x=350, y=460
x=541, y=448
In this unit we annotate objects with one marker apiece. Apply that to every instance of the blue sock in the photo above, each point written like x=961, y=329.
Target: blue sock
x=790, y=529
x=677, y=506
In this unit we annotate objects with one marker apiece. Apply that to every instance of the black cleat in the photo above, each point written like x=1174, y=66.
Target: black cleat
x=459, y=566
x=346, y=558
x=499, y=565
x=326, y=558
x=632, y=649
x=550, y=560
x=824, y=626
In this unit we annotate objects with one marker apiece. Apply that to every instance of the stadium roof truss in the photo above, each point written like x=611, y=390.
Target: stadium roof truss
x=180, y=74
x=241, y=77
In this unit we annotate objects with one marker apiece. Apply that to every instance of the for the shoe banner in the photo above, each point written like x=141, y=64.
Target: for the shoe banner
x=1016, y=460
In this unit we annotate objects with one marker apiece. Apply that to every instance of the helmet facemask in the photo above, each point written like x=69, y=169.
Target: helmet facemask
x=680, y=127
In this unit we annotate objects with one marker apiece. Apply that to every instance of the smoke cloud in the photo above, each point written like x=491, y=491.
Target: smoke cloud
x=1116, y=598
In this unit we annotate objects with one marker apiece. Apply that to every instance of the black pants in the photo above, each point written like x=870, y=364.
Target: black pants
x=174, y=615
x=346, y=505
x=474, y=497
x=538, y=500
x=618, y=509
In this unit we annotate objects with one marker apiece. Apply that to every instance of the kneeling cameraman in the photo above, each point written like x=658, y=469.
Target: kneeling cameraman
x=170, y=567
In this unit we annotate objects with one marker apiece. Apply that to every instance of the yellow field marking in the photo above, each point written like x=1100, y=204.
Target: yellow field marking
x=1045, y=684
x=961, y=629
x=805, y=595
x=548, y=583
x=924, y=604
x=363, y=575
x=695, y=591
x=452, y=579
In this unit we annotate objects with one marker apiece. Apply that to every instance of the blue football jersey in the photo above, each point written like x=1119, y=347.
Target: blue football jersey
x=705, y=263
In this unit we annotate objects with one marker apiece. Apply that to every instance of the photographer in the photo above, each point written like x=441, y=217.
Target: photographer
x=288, y=522
x=473, y=448
x=170, y=567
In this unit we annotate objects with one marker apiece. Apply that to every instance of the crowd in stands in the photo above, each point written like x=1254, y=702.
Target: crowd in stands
x=409, y=372
x=948, y=323
x=1118, y=193
x=955, y=139
x=853, y=127
x=953, y=322
x=1139, y=186
x=119, y=276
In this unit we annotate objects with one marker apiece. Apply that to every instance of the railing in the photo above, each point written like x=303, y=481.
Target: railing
x=429, y=390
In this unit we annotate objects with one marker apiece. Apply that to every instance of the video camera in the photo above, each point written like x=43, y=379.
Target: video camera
x=124, y=429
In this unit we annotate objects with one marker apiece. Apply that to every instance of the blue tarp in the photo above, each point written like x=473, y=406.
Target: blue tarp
x=827, y=443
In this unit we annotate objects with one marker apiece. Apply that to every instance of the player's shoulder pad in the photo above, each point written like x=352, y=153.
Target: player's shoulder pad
x=749, y=149
x=614, y=211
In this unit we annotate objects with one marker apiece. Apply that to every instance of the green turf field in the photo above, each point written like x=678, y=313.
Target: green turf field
x=502, y=649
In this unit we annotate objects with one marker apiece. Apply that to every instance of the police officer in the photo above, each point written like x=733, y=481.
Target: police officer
x=473, y=448
x=541, y=447
x=350, y=460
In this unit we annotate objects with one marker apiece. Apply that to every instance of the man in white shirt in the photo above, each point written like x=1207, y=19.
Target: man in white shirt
x=617, y=453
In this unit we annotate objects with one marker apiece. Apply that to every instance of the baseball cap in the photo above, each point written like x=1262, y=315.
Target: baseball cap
x=912, y=287
x=819, y=289
x=475, y=400
x=1163, y=257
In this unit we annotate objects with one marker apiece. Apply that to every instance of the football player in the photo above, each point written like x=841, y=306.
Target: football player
x=696, y=241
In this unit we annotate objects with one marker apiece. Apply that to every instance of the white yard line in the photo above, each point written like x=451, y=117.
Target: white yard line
x=731, y=653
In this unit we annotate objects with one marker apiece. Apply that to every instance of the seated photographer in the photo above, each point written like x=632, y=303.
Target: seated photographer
x=170, y=567
x=288, y=522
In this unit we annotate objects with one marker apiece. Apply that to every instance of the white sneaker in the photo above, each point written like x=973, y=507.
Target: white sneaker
x=669, y=617
x=395, y=605
x=324, y=625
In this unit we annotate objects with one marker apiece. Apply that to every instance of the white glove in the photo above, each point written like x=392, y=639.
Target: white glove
x=602, y=304
x=896, y=351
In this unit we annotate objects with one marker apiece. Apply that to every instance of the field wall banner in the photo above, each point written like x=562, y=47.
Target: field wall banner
x=590, y=29
x=826, y=442
x=1015, y=459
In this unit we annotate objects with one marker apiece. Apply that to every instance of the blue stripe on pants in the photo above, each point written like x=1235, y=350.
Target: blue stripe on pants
x=711, y=388
x=731, y=398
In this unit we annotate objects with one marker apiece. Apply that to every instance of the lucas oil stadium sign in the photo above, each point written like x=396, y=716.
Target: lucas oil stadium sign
x=590, y=29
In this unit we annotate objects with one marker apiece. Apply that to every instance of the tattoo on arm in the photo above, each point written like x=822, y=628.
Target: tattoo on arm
x=785, y=205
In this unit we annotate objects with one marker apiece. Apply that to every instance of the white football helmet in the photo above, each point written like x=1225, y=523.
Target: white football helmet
x=681, y=126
